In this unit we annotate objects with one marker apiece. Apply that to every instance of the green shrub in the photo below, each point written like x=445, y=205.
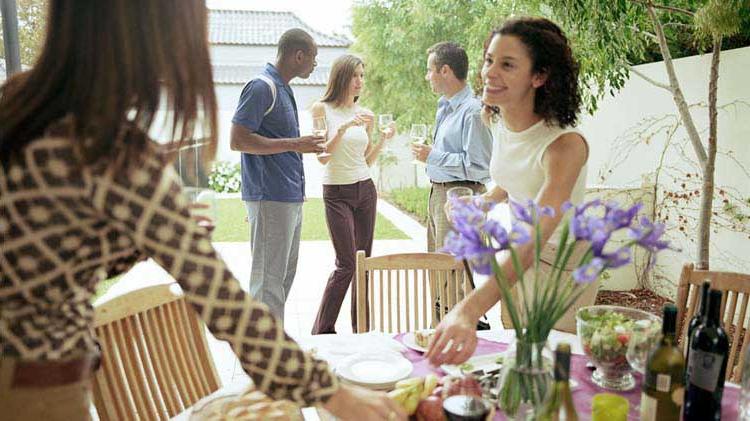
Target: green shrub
x=412, y=200
x=225, y=177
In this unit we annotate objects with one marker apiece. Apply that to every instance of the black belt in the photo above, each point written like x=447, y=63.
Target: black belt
x=450, y=183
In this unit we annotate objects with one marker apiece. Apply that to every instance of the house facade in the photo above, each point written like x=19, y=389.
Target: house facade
x=242, y=42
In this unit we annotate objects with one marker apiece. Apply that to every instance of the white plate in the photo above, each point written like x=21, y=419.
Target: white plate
x=486, y=363
x=376, y=371
x=410, y=342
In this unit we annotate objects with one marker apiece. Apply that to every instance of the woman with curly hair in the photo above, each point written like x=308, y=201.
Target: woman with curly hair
x=531, y=101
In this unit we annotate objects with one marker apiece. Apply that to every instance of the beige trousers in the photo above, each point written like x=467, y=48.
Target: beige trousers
x=71, y=402
x=568, y=321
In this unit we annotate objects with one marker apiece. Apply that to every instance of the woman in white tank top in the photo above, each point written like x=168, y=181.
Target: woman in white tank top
x=348, y=191
x=531, y=104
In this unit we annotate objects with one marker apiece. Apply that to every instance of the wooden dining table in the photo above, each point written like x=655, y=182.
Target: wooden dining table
x=336, y=347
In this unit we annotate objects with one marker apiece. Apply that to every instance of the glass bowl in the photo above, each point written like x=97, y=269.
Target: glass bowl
x=605, y=333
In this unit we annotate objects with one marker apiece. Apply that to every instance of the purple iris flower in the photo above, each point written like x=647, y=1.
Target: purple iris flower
x=521, y=212
x=620, y=257
x=582, y=225
x=589, y=272
x=530, y=212
x=497, y=232
x=599, y=235
x=649, y=235
x=476, y=252
x=617, y=218
x=519, y=235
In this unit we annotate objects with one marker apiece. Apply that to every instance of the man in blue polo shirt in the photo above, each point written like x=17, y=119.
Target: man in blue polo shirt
x=266, y=130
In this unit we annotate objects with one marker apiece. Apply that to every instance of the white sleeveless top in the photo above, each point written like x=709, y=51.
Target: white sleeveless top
x=516, y=164
x=347, y=164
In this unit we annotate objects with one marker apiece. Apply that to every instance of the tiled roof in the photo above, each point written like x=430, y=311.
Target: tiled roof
x=240, y=74
x=250, y=27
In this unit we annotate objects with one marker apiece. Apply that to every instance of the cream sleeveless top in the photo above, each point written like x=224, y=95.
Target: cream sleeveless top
x=516, y=164
x=347, y=164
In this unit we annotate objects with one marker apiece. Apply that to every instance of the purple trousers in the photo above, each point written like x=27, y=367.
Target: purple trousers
x=350, y=214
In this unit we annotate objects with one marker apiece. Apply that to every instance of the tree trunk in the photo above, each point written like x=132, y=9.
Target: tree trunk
x=677, y=95
x=707, y=192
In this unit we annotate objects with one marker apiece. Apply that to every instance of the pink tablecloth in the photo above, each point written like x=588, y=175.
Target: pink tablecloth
x=586, y=388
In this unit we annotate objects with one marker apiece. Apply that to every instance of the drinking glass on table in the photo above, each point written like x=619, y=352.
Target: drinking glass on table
x=320, y=128
x=418, y=137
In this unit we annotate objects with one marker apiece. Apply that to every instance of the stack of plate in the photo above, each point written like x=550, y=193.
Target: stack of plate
x=374, y=371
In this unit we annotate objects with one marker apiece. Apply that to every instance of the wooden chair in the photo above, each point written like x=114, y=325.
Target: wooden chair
x=393, y=291
x=155, y=358
x=736, y=290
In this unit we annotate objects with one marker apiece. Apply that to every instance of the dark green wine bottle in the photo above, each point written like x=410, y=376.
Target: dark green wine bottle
x=697, y=320
x=664, y=376
x=707, y=366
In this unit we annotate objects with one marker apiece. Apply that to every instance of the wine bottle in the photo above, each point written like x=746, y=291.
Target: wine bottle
x=664, y=377
x=697, y=319
x=559, y=404
x=707, y=366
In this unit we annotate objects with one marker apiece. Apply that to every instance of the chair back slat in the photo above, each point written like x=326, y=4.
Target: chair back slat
x=155, y=342
x=135, y=367
x=404, y=283
x=425, y=305
x=155, y=358
x=739, y=329
x=735, y=288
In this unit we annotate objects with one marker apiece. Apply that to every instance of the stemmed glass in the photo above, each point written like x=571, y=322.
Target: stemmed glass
x=384, y=123
x=418, y=137
x=320, y=128
x=385, y=126
x=642, y=341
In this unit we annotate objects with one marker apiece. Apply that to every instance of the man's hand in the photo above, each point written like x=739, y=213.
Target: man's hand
x=310, y=144
x=421, y=151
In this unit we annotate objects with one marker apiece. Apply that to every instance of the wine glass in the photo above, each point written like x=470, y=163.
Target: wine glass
x=384, y=123
x=642, y=341
x=418, y=136
x=320, y=128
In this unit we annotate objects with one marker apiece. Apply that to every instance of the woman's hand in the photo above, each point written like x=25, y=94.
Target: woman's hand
x=356, y=403
x=455, y=338
x=202, y=220
x=388, y=132
x=368, y=119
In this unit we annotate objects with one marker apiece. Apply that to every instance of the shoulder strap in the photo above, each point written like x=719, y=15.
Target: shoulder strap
x=272, y=86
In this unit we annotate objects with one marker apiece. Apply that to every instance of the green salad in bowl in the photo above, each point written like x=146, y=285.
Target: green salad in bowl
x=606, y=333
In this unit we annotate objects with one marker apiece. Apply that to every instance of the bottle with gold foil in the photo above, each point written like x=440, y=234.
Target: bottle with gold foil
x=559, y=404
x=664, y=376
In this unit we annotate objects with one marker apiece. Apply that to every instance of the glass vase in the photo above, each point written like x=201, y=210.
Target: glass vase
x=525, y=380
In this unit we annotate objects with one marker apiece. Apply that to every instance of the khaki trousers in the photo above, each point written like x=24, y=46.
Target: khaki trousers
x=567, y=322
x=438, y=227
x=70, y=402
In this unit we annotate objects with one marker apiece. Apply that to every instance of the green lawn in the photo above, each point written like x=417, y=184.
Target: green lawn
x=232, y=226
x=412, y=200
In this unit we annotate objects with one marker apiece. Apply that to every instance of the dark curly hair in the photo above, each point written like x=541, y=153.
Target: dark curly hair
x=558, y=101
